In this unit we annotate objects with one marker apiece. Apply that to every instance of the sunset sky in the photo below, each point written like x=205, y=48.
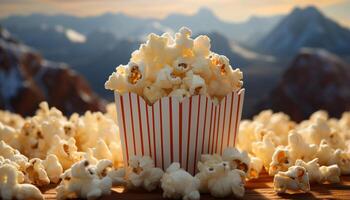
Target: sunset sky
x=229, y=10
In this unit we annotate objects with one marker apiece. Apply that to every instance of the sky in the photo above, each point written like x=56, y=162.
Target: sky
x=228, y=10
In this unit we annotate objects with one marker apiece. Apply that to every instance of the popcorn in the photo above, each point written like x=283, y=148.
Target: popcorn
x=105, y=168
x=11, y=119
x=236, y=159
x=201, y=45
x=330, y=174
x=101, y=151
x=296, y=178
x=264, y=150
x=13, y=155
x=255, y=167
x=82, y=181
x=177, y=183
x=10, y=188
x=279, y=123
x=52, y=167
x=180, y=94
x=195, y=84
x=66, y=151
x=36, y=172
x=342, y=159
x=218, y=179
x=9, y=135
x=324, y=153
x=299, y=149
x=180, y=67
x=313, y=169
x=142, y=173
x=281, y=160
x=152, y=93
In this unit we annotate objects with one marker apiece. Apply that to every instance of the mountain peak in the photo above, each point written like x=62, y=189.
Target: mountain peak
x=205, y=12
x=309, y=11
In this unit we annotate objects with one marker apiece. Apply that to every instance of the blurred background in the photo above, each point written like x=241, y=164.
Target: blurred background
x=294, y=54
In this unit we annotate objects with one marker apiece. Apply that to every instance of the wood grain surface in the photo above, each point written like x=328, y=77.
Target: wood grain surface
x=255, y=189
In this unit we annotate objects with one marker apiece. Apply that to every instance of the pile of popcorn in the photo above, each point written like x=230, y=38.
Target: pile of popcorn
x=49, y=148
x=178, y=67
x=316, y=150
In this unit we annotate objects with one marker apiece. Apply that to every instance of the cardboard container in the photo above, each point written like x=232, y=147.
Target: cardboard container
x=172, y=131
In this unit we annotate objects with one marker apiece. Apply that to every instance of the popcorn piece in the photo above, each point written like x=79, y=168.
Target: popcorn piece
x=299, y=149
x=264, y=150
x=10, y=188
x=104, y=168
x=101, y=151
x=177, y=183
x=9, y=135
x=82, y=181
x=153, y=93
x=255, y=167
x=218, y=179
x=53, y=168
x=11, y=119
x=13, y=155
x=313, y=169
x=342, y=159
x=179, y=94
x=324, y=153
x=167, y=77
x=281, y=160
x=330, y=174
x=182, y=65
x=66, y=151
x=195, y=84
x=236, y=159
x=142, y=173
x=36, y=172
x=201, y=46
x=296, y=178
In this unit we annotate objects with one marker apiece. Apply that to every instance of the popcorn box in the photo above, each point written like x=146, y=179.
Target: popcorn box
x=172, y=131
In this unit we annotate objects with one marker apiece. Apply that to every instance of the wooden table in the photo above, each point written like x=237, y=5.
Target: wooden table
x=255, y=189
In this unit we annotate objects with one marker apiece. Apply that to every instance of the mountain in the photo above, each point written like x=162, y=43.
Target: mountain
x=206, y=21
x=124, y=26
x=316, y=79
x=27, y=79
x=306, y=27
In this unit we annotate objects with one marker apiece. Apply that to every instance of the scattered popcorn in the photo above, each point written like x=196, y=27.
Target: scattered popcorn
x=313, y=169
x=9, y=135
x=264, y=150
x=36, y=172
x=296, y=178
x=82, y=181
x=179, y=67
x=281, y=160
x=299, y=149
x=143, y=173
x=255, y=167
x=219, y=180
x=177, y=183
x=236, y=159
x=53, y=168
x=7, y=152
x=330, y=174
x=11, y=189
x=66, y=151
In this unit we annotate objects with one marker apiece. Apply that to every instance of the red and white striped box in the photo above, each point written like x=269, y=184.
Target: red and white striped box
x=172, y=131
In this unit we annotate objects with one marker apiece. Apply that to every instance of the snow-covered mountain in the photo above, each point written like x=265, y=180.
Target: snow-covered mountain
x=306, y=27
x=26, y=79
x=124, y=26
